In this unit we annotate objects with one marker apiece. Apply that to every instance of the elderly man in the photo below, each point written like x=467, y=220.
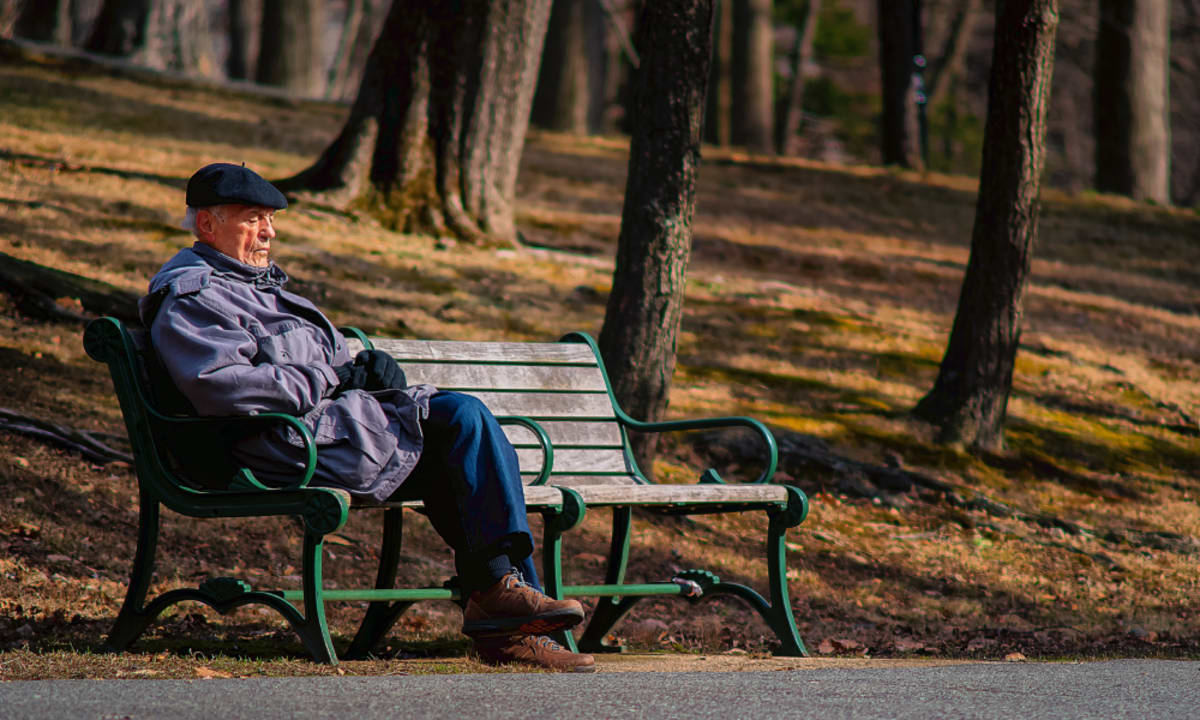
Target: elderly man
x=235, y=341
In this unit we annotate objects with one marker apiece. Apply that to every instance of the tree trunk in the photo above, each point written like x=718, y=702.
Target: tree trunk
x=793, y=103
x=969, y=399
x=47, y=21
x=121, y=27
x=1132, y=101
x=433, y=141
x=753, y=75
x=900, y=128
x=289, y=48
x=237, y=64
x=561, y=99
x=641, y=322
x=719, y=102
x=953, y=56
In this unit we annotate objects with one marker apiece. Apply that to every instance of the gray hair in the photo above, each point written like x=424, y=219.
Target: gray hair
x=189, y=218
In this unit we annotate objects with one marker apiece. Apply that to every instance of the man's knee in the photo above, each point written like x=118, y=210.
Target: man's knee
x=459, y=412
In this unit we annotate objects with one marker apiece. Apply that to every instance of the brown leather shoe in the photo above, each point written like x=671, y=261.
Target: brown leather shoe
x=513, y=607
x=536, y=650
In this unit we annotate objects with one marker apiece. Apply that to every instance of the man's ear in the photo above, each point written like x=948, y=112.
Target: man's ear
x=206, y=223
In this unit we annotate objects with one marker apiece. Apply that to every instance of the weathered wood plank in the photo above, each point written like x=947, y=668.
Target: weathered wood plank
x=578, y=481
x=531, y=460
x=509, y=352
x=604, y=495
x=535, y=496
x=505, y=377
x=564, y=405
x=564, y=433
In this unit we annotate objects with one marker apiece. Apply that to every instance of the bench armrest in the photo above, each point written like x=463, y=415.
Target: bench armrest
x=710, y=475
x=543, y=438
x=243, y=425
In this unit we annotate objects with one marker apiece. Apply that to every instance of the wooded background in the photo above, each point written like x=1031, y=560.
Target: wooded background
x=854, y=104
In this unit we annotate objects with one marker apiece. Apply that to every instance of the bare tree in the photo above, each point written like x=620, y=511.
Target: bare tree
x=793, y=103
x=641, y=322
x=289, y=47
x=46, y=21
x=1131, y=99
x=969, y=399
x=562, y=96
x=719, y=103
x=237, y=62
x=899, y=49
x=121, y=28
x=434, y=138
x=753, y=75
x=953, y=55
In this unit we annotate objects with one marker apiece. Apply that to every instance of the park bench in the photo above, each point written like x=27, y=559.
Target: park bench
x=557, y=407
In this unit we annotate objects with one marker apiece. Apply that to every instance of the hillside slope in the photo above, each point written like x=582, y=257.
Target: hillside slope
x=819, y=299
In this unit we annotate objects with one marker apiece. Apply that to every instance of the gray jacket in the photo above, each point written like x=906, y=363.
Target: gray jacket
x=236, y=343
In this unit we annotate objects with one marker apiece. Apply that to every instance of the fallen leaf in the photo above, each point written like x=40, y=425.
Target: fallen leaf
x=1014, y=657
x=336, y=539
x=208, y=673
x=826, y=647
x=909, y=645
x=59, y=558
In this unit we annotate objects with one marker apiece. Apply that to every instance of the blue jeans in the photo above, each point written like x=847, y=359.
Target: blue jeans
x=470, y=483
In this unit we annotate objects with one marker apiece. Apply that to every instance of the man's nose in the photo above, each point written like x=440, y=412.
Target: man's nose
x=268, y=229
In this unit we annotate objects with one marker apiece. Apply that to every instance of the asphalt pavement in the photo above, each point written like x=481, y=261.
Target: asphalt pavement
x=1161, y=689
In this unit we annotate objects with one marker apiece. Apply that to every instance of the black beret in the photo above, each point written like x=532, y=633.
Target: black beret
x=222, y=183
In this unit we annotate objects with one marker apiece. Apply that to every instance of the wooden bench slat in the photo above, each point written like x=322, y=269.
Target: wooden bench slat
x=507, y=377
x=547, y=405
x=608, y=495
x=535, y=496
x=578, y=481
x=607, y=461
x=502, y=352
x=564, y=433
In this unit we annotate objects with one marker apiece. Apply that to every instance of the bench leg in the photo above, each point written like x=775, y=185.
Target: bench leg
x=554, y=524
x=609, y=610
x=382, y=615
x=133, y=619
x=781, y=619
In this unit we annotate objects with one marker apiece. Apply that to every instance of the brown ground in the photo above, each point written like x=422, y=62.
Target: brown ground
x=819, y=300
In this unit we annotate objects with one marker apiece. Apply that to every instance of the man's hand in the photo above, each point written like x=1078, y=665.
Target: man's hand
x=382, y=372
x=351, y=376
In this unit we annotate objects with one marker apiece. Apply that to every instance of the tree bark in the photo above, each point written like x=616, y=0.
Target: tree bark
x=793, y=104
x=753, y=75
x=719, y=102
x=289, y=48
x=969, y=399
x=1132, y=100
x=641, y=322
x=433, y=141
x=900, y=132
x=121, y=27
x=237, y=64
x=562, y=96
x=47, y=21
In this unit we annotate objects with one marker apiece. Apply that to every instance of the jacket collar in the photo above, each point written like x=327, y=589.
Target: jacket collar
x=261, y=277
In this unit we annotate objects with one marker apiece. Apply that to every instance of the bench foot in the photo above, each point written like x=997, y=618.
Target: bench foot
x=221, y=594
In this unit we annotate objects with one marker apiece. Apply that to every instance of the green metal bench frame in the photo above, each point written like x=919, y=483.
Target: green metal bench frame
x=324, y=510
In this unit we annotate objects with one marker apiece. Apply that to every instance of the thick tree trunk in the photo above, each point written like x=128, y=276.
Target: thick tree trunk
x=561, y=100
x=641, y=322
x=793, y=103
x=969, y=399
x=237, y=63
x=433, y=141
x=753, y=75
x=1132, y=101
x=289, y=49
x=47, y=21
x=719, y=102
x=121, y=27
x=900, y=130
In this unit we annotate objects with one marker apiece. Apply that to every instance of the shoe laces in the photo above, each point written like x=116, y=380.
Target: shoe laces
x=546, y=642
x=518, y=580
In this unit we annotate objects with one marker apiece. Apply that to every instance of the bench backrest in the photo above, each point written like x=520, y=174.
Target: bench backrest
x=560, y=386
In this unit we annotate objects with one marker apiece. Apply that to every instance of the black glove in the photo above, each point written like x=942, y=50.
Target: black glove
x=351, y=376
x=382, y=371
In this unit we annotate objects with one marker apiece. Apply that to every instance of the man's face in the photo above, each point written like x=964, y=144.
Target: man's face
x=243, y=232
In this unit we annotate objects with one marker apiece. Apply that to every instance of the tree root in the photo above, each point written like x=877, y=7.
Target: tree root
x=49, y=294
x=88, y=444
